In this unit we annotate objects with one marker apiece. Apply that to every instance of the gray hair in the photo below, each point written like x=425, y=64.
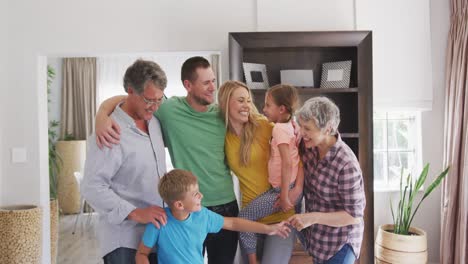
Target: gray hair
x=141, y=72
x=323, y=112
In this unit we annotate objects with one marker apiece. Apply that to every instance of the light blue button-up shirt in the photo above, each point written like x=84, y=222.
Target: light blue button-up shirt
x=120, y=179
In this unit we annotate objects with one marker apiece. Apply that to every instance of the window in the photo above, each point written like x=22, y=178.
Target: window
x=397, y=148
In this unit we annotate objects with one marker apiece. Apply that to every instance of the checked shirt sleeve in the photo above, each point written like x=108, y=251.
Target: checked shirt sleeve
x=351, y=189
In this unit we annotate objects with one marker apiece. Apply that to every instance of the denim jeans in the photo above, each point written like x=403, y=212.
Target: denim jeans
x=222, y=246
x=126, y=256
x=344, y=256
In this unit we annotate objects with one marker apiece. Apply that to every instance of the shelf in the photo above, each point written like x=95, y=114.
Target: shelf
x=349, y=135
x=313, y=91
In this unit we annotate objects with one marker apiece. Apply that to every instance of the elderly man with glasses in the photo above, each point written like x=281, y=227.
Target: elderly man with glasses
x=121, y=182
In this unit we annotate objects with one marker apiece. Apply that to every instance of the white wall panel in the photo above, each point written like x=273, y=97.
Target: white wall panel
x=305, y=15
x=401, y=51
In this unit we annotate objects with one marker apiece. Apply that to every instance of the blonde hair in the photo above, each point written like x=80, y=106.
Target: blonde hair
x=248, y=133
x=283, y=94
x=175, y=184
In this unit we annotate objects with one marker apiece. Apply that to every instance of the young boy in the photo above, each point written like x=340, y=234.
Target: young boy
x=188, y=223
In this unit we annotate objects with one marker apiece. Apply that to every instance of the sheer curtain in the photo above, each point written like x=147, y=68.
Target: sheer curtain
x=111, y=70
x=215, y=64
x=78, y=97
x=454, y=246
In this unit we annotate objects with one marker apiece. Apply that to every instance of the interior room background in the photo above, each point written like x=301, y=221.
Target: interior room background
x=33, y=31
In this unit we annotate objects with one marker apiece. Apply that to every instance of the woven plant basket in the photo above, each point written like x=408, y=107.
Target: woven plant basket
x=54, y=226
x=20, y=234
x=394, y=248
x=73, y=155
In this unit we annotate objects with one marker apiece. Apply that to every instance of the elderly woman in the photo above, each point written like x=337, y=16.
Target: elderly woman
x=332, y=226
x=247, y=149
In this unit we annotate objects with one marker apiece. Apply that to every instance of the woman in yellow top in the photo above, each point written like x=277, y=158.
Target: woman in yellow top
x=247, y=149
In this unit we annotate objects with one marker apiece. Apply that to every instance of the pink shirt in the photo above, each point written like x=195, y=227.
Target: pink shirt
x=283, y=133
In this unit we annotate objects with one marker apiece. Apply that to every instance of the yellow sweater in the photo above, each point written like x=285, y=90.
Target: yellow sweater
x=253, y=178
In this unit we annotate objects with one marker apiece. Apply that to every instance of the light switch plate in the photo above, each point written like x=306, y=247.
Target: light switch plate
x=18, y=155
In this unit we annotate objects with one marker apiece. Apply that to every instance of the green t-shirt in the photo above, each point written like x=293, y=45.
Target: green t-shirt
x=196, y=143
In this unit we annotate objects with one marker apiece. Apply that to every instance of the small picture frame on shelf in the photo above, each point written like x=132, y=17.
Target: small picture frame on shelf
x=298, y=78
x=255, y=75
x=336, y=74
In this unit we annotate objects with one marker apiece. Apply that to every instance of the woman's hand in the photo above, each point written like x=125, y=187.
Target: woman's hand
x=301, y=221
x=107, y=131
x=280, y=229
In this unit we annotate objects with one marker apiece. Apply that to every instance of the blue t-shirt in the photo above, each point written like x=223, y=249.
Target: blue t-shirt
x=182, y=241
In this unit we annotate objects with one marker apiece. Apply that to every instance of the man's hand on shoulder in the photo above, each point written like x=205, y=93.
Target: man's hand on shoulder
x=107, y=131
x=152, y=214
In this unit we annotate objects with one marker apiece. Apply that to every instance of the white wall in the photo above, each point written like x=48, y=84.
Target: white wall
x=4, y=81
x=432, y=122
x=305, y=15
x=401, y=51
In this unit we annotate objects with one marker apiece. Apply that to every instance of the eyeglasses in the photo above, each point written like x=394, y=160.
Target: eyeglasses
x=154, y=102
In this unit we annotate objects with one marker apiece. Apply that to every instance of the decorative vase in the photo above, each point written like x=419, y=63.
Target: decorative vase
x=73, y=155
x=395, y=248
x=54, y=224
x=20, y=234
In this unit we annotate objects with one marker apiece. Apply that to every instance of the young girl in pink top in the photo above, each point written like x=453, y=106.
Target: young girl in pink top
x=280, y=103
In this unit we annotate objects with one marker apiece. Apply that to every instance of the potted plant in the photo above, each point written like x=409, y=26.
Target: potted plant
x=73, y=154
x=54, y=169
x=400, y=242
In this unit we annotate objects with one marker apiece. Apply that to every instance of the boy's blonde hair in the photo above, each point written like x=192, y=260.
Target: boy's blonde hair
x=175, y=184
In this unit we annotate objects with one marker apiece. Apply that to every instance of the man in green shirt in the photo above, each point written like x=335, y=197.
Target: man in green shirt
x=194, y=133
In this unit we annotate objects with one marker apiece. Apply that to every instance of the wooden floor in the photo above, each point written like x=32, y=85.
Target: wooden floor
x=299, y=256
x=82, y=247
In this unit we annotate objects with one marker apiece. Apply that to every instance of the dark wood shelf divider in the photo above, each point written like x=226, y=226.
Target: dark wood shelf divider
x=312, y=90
x=349, y=135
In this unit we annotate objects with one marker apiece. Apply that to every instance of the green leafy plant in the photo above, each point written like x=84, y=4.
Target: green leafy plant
x=50, y=79
x=69, y=137
x=54, y=158
x=404, y=215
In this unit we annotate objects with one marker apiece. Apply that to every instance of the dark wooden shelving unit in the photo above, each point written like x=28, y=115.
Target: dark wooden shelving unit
x=309, y=50
x=313, y=91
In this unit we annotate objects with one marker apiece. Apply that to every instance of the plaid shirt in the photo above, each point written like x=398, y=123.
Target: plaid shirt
x=333, y=184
